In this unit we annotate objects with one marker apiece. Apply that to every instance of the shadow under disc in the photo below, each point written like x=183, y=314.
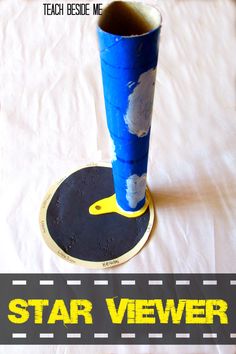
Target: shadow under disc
x=74, y=234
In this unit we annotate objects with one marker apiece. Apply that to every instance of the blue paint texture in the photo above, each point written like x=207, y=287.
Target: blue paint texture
x=123, y=60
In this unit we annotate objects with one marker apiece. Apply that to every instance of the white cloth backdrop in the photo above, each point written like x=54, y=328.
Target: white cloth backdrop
x=53, y=121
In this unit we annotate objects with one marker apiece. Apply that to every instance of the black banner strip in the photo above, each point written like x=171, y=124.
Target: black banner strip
x=118, y=309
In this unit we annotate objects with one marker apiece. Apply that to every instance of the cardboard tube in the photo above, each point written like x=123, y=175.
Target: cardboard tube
x=128, y=36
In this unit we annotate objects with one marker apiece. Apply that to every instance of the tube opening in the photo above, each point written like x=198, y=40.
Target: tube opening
x=129, y=18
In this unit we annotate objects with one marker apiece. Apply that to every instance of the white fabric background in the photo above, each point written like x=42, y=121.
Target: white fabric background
x=53, y=121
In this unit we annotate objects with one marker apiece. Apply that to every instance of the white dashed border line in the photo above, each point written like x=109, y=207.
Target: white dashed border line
x=128, y=282
x=155, y=282
x=19, y=335
x=19, y=282
x=73, y=282
x=123, y=335
x=128, y=335
x=46, y=282
x=209, y=282
x=209, y=335
x=182, y=335
x=100, y=335
x=155, y=335
x=182, y=282
x=73, y=335
x=100, y=282
x=46, y=335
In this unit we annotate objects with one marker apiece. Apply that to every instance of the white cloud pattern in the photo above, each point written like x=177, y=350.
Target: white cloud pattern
x=139, y=112
x=135, y=190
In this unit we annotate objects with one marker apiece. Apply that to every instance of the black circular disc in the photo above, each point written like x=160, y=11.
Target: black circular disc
x=90, y=238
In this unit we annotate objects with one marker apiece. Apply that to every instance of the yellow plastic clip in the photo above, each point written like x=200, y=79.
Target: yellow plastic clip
x=109, y=205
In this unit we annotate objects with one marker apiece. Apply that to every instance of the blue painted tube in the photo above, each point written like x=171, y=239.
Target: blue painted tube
x=128, y=36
